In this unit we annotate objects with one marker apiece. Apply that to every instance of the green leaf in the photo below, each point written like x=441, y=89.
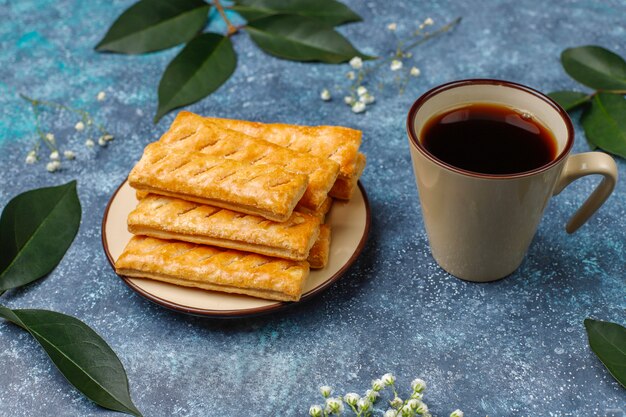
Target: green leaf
x=81, y=355
x=608, y=341
x=569, y=100
x=605, y=123
x=329, y=11
x=36, y=229
x=301, y=38
x=595, y=67
x=152, y=25
x=199, y=69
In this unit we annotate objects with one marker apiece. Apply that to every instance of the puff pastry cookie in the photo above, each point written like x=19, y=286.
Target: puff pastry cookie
x=344, y=187
x=321, y=211
x=318, y=257
x=268, y=190
x=339, y=144
x=193, y=133
x=211, y=268
x=172, y=218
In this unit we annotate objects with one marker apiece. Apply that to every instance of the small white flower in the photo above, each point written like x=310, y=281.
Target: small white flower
x=50, y=137
x=351, y=398
x=391, y=413
x=69, y=155
x=102, y=141
x=334, y=406
x=422, y=408
x=364, y=404
x=325, y=390
x=349, y=100
x=89, y=143
x=53, y=166
x=457, y=413
x=108, y=138
x=392, y=27
x=315, y=411
x=101, y=96
x=350, y=75
x=396, y=64
x=418, y=385
x=367, y=98
x=358, y=107
x=429, y=22
x=54, y=155
x=413, y=404
x=388, y=379
x=31, y=158
x=80, y=126
x=415, y=72
x=378, y=384
x=325, y=95
x=396, y=402
x=372, y=395
x=356, y=63
x=407, y=412
x=361, y=90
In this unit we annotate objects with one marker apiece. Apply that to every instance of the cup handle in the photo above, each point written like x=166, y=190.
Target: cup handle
x=580, y=165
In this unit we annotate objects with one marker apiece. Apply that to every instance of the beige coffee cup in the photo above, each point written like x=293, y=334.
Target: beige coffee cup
x=479, y=226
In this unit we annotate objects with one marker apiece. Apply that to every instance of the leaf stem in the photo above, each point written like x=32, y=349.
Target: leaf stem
x=231, y=29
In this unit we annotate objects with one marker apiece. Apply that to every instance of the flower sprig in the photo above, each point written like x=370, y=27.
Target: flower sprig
x=357, y=95
x=363, y=406
x=86, y=123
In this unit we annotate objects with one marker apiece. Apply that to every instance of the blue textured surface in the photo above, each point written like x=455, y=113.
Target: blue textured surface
x=514, y=347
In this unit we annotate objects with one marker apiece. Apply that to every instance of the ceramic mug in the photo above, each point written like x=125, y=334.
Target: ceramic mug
x=479, y=226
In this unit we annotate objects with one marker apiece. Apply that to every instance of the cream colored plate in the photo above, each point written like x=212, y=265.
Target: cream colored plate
x=350, y=224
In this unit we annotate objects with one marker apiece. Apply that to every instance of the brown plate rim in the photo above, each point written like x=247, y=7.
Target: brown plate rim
x=225, y=314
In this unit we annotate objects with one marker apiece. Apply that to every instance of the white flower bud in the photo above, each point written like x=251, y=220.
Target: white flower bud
x=50, y=137
x=457, y=413
x=358, y=107
x=418, y=385
x=356, y=63
x=367, y=98
x=325, y=390
x=413, y=404
x=334, y=406
x=101, y=96
x=54, y=155
x=392, y=27
x=89, y=143
x=80, y=126
x=396, y=402
x=372, y=395
x=395, y=65
x=102, y=141
x=364, y=404
x=348, y=100
x=351, y=398
x=350, y=75
x=53, y=166
x=407, y=412
x=325, y=95
x=378, y=384
x=315, y=411
x=415, y=72
x=361, y=90
x=31, y=158
x=391, y=413
x=422, y=408
x=388, y=379
x=429, y=22
x=69, y=155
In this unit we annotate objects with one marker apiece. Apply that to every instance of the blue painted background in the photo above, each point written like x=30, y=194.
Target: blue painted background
x=511, y=348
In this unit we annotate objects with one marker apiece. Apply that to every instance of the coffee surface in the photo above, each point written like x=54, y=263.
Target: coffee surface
x=489, y=139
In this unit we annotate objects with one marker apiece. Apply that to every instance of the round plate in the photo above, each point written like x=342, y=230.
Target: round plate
x=350, y=222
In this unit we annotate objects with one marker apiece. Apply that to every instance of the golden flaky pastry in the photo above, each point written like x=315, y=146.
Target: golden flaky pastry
x=344, y=187
x=194, y=133
x=318, y=257
x=339, y=144
x=267, y=191
x=212, y=268
x=172, y=218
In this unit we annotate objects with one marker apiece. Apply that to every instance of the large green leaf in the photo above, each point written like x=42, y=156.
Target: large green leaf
x=569, y=100
x=36, y=229
x=329, y=11
x=595, y=67
x=199, y=69
x=81, y=355
x=300, y=38
x=605, y=123
x=152, y=25
x=608, y=342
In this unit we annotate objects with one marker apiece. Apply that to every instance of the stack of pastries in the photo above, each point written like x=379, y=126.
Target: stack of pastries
x=238, y=206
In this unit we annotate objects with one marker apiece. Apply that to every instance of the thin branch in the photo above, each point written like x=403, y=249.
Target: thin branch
x=231, y=29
